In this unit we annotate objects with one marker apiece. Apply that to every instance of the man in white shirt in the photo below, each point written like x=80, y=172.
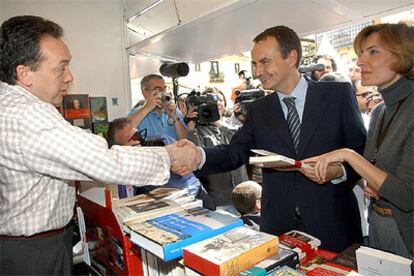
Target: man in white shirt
x=41, y=154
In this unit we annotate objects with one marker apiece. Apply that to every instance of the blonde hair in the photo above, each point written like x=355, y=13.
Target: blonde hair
x=395, y=38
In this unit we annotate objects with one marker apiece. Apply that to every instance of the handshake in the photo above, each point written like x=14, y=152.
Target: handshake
x=185, y=157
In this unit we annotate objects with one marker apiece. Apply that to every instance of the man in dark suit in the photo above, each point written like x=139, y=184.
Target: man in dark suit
x=324, y=117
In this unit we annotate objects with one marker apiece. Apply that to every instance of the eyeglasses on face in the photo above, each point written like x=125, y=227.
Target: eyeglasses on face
x=157, y=89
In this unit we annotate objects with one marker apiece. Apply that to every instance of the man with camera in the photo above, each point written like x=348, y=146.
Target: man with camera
x=159, y=114
x=211, y=130
x=122, y=132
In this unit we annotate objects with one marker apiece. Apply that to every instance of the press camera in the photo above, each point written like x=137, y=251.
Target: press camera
x=244, y=98
x=207, y=109
x=165, y=97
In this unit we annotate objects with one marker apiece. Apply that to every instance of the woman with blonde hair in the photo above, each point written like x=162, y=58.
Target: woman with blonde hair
x=385, y=55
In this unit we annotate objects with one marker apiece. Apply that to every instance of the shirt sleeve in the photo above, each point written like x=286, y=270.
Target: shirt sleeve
x=53, y=147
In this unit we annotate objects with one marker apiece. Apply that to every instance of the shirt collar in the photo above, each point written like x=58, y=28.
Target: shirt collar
x=299, y=92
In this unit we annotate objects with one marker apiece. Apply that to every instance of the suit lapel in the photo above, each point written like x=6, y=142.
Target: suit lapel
x=315, y=106
x=277, y=122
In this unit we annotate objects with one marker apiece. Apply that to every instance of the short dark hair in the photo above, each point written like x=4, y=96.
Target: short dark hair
x=287, y=39
x=113, y=128
x=244, y=196
x=20, y=43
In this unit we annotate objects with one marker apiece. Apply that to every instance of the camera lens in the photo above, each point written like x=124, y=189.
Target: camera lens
x=206, y=113
x=165, y=97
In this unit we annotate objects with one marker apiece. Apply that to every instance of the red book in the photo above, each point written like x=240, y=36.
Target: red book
x=293, y=243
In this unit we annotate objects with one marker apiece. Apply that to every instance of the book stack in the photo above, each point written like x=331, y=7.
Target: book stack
x=161, y=201
x=152, y=265
x=301, y=242
x=229, y=253
x=166, y=235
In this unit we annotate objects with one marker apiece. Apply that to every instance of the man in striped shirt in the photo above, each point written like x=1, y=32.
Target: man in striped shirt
x=41, y=154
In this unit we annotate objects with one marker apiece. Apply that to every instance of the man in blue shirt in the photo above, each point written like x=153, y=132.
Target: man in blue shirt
x=122, y=132
x=159, y=114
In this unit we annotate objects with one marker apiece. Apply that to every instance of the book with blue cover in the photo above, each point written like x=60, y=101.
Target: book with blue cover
x=165, y=236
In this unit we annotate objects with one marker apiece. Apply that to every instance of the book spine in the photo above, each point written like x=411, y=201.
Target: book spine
x=234, y=265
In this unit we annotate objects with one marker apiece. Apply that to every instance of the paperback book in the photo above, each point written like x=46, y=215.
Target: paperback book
x=269, y=159
x=231, y=252
x=376, y=262
x=76, y=110
x=166, y=235
x=284, y=257
x=305, y=245
x=99, y=109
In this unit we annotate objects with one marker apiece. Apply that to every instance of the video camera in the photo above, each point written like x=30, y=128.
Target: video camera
x=207, y=109
x=244, y=98
x=309, y=69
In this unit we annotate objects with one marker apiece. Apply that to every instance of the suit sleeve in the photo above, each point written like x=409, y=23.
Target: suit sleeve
x=224, y=158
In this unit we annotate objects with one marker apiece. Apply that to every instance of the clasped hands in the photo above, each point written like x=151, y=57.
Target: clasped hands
x=185, y=157
x=323, y=168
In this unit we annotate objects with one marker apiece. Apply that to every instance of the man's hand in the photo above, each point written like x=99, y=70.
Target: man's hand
x=185, y=157
x=153, y=102
x=171, y=109
x=323, y=162
x=333, y=171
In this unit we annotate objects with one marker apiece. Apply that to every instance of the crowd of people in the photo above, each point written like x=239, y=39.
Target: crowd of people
x=354, y=131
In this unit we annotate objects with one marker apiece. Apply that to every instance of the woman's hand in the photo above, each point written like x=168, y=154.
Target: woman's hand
x=321, y=163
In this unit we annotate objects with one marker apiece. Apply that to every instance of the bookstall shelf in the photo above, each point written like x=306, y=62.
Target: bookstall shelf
x=103, y=230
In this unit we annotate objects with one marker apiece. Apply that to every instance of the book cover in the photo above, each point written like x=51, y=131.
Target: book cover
x=314, y=242
x=99, y=109
x=284, y=257
x=76, y=110
x=231, y=252
x=165, y=236
x=346, y=259
x=376, y=262
x=100, y=129
x=269, y=159
x=133, y=214
x=287, y=271
x=325, y=270
x=303, y=248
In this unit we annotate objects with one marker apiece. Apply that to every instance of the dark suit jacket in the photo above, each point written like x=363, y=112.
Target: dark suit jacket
x=331, y=120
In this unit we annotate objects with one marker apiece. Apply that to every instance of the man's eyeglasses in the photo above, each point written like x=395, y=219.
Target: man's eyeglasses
x=158, y=89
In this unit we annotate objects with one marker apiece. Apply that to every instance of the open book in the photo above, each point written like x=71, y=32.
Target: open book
x=269, y=159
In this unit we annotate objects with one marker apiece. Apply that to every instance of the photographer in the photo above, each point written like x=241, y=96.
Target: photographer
x=122, y=132
x=212, y=133
x=159, y=115
x=328, y=62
